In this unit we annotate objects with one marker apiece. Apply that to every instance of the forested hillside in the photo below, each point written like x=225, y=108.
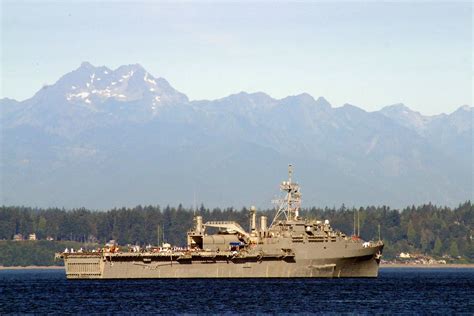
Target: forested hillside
x=427, y=229
x=35, y=253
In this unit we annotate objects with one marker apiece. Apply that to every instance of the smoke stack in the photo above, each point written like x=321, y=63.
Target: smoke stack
x=253, y=220
x=263, y=223
x=198, y=224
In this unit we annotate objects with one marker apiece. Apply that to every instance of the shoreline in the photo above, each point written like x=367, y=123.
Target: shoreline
x=427, y=266
x=382, y=266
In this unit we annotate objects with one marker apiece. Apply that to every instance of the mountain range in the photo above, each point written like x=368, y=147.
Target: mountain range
x=102, y=138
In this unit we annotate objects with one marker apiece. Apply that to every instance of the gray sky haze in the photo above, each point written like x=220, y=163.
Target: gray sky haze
x=364, y=53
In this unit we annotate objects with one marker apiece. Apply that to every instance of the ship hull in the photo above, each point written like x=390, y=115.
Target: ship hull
x=143, y=266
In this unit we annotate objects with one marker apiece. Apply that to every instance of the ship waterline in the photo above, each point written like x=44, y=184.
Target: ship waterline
x=291, y=247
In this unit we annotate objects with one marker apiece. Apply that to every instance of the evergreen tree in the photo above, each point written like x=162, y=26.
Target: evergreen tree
x=411, y=233
x=438, y=246
x=453, y=249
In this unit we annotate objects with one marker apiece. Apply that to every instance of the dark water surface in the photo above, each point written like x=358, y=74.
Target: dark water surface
x=402, y=291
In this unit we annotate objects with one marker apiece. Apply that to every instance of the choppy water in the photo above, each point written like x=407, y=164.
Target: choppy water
x=403, y=291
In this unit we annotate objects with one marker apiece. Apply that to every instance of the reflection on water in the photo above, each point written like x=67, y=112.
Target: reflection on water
x=395, y=291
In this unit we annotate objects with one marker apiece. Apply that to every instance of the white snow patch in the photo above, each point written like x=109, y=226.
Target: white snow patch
x=151, y=81
x=157, y=98
x=102, y=93
x=114, y=83
x=151, y=89
x=81, y=95
x=105, y=93
x=128, y=75
x=98, y=79
x=73, y=87
x=87, y=84
x=148, y=79
x=106, y=72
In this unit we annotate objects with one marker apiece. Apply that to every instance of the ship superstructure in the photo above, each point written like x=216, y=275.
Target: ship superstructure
x=290, y=247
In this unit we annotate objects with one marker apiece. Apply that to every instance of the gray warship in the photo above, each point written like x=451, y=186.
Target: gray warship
x=290, y=247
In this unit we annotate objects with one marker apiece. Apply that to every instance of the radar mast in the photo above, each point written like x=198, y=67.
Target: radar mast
x=289, y=205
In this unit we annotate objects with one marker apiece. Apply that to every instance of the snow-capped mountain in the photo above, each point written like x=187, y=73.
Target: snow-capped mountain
x=94, y=86
x=100, y=137
x=99, y=95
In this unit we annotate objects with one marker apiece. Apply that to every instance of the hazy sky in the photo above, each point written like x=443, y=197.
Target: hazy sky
x=363, y=53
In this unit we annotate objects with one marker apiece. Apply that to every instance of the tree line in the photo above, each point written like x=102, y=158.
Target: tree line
x=425, y=229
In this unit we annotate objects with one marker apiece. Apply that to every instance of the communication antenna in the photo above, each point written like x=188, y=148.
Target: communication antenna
x=290, y=172
x=163, y=229
x=354, y=231
x=358, y=223
x=158, y=234
x=194, y=206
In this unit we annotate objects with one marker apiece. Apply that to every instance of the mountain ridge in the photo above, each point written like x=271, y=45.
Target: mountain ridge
x=131, y=69
x=98, y=130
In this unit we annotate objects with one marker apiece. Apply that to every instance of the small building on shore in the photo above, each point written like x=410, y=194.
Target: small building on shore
x=17, y=237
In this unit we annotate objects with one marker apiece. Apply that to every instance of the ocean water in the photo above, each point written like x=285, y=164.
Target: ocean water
x=401, y=291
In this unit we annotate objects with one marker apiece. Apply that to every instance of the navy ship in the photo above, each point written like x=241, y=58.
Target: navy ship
x=290, y=247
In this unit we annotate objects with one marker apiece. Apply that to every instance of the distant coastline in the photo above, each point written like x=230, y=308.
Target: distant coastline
x=427, y=266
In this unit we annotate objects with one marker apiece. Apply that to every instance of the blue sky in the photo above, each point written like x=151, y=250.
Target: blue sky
x=363, y=53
